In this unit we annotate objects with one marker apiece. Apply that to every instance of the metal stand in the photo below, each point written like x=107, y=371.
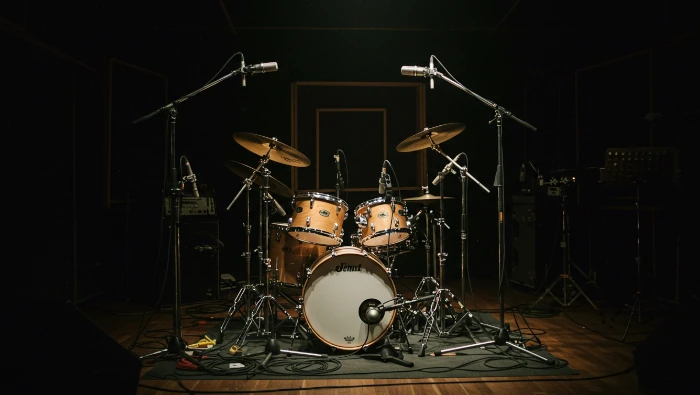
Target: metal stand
x=176, y=345
x=565, y=277
x=272, y=347
x=637, y=305
x=440, y=301
x=502, y=338
x=266, y=305
x=636, y=167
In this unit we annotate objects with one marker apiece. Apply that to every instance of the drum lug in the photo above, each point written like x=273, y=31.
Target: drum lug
x=371, y=226
x=369, y=212
x=393, y=206
x=333, y=252
x=361, y=221
x=308, y=221
x=289, y=221
x=335, y=227
x=338, y=209
x=311, y=203
x=396, y=222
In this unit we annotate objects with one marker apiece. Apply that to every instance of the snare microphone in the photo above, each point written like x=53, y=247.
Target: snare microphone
x=382, y=181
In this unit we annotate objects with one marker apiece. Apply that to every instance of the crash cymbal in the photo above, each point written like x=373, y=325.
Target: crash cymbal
x=437, y=134
x=426, y=197
x=280, y=152
x=245, y=171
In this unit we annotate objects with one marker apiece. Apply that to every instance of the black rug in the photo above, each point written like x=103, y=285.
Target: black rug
x=470, y=352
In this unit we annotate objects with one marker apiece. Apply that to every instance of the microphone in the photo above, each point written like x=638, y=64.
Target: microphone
x=416, y=71
x=382, y=181
x=371, y=311
x=279, y=208
x=260, y=68
x=243, y=74
x=337, y=166
x=432, y=84
x=192, y=178
x=443, y=173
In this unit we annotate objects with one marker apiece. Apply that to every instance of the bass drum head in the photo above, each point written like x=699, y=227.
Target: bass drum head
x=340, y=281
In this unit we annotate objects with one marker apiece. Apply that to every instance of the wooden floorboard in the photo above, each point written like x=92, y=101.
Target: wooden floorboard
x=589, y=340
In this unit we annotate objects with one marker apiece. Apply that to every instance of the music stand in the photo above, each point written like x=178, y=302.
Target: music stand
x=636, y=167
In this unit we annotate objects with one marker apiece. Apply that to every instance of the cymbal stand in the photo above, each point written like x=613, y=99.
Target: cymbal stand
x=566, y=278
x=249, y=292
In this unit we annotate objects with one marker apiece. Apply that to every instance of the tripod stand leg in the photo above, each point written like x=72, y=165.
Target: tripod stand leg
x=547, y=291
x=236, y=306
x=635, y=306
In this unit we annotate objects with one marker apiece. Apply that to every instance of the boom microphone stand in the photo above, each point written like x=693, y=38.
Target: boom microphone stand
x=502, y=338
x=176, y=344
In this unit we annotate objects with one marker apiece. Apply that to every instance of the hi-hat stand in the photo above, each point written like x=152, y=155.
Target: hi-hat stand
x=266, y=304
x=249, y=292
x=175, y=343
x=503, y=337
x=565, y=277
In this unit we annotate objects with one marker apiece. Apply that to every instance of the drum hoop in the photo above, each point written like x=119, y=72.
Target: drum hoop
x=379, y=200
x=280, y=225
x=315, y=231
x=320, y=196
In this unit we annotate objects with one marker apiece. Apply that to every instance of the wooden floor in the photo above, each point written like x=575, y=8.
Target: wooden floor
x=589, y=338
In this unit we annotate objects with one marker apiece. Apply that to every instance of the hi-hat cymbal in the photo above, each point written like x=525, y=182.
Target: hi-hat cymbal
x=280, y=152
x=426, y=197
x=437, y=134
x=245, y=171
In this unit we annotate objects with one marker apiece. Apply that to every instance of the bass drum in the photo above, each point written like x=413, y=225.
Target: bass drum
x=339, y=282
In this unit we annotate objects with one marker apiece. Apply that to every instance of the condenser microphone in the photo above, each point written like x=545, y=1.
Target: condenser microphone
x=432, y=84
x=278, y=207
x=443, y=173
x=192, y=178
x=260, y=68
x=243, y=74
x=415, y=71
x=336, y=157
x=382, y=181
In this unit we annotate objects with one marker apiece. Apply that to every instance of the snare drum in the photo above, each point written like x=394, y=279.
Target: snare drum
x=382, y=222
x=318, y=218
x=290, y=258
x=339, y=283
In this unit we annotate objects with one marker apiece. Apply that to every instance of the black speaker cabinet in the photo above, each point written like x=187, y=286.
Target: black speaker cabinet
x=199, y=262
x=87, y=361
x=531, y=237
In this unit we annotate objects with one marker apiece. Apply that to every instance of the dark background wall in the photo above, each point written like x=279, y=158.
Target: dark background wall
x=586, y=75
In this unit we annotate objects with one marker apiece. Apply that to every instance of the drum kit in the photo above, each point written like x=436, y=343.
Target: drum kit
x=348, y=298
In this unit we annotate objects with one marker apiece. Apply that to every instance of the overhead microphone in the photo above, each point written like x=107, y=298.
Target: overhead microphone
x=260, y=68
x=447, y=169
x=415, y=71
x=191, y=178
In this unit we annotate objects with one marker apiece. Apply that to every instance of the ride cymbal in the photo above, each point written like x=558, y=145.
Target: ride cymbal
x=245, y=171
x=429, y=136
x=278, y=151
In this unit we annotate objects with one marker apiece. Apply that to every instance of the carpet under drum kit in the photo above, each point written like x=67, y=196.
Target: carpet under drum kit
x=348, y=297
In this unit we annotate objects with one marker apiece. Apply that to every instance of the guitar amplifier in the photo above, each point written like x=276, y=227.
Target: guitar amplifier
x=201, y=206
